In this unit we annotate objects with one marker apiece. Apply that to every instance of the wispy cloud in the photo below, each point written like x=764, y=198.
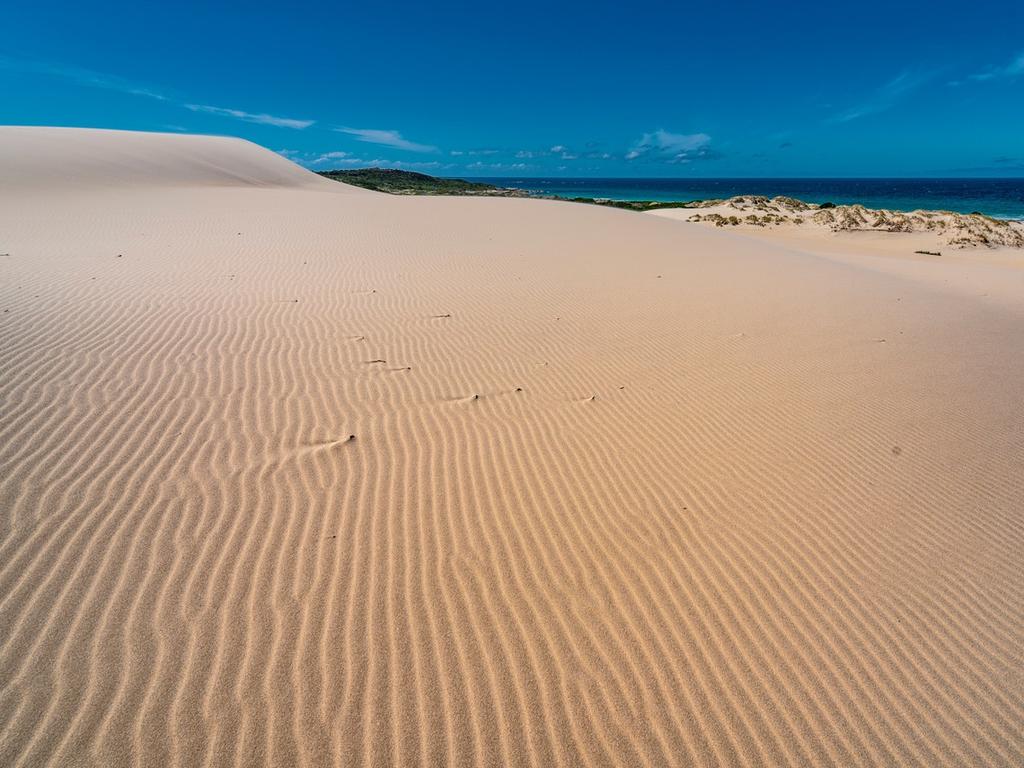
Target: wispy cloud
x=79, y=76
x=884, y=97
x=1014, y=69
x=479, y=166
x=336, y=157
x=251, y=117
x=671, y=147
x=91, y=79
x=387, y=138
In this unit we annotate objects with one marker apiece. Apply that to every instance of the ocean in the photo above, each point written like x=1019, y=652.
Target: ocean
x=1001, y=198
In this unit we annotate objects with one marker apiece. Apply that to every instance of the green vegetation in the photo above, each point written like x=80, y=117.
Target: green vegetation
x=629, y=205
x=397, y=182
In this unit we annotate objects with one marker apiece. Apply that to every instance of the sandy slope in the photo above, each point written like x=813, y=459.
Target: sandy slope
x=718, y=502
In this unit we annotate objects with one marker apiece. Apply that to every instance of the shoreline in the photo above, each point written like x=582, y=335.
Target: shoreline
x=965, y=195
x=955, y=229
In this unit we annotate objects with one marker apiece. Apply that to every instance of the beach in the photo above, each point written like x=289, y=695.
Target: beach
x=298, y=474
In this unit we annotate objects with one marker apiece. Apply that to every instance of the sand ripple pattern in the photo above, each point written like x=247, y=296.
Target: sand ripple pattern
x=619, y=493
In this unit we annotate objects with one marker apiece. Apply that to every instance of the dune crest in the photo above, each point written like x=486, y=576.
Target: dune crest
x=955, y=229
x=297, y=475
x=56, y=160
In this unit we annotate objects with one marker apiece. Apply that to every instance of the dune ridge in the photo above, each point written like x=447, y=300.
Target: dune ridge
x=958, y=230
x=77, y=160
x=621, y=491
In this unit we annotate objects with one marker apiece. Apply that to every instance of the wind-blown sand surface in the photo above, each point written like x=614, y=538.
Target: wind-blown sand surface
x=622, y=490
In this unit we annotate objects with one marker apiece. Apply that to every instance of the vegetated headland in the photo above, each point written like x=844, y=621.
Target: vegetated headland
x=955, y=229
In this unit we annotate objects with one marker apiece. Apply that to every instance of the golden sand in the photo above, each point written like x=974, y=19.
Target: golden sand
x=295, y=474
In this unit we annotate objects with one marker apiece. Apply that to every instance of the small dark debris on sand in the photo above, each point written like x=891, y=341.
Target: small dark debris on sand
x=438, y=317
x=896, y=450
x=929, y=253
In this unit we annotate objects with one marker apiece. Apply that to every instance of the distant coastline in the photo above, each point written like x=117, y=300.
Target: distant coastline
x=996, y=198
x=1001, y=198
x=953, y=228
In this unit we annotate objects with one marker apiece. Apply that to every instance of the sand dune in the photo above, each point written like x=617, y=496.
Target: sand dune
x=621, y=491
x=936, y=228
x=54, y=160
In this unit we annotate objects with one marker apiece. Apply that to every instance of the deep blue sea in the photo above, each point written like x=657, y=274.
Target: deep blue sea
x=1002, y=198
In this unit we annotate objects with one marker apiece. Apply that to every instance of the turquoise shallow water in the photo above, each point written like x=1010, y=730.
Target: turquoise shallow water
x=1003, y=198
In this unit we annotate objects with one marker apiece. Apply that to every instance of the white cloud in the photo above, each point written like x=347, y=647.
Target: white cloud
x=386, y=138
x=672, y=147
x=479, y=166
x=331, y=157
x=249, y=117
x=885, y=97
x=80, y=76
x=1013, y=69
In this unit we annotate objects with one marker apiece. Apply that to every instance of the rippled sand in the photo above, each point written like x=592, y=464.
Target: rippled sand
x=295, y=474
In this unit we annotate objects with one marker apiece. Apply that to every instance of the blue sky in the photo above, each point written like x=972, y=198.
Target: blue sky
x=543, y=89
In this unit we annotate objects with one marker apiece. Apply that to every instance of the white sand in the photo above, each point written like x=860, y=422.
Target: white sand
x=752, y=505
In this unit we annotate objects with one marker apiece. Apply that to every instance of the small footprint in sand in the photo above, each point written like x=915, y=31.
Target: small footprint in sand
x=896, y=450
x=328, y=442
x=590, y=399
